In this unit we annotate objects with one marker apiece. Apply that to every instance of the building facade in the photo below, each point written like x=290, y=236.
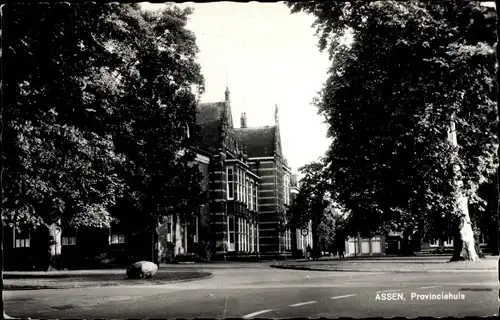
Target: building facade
x=249, y=183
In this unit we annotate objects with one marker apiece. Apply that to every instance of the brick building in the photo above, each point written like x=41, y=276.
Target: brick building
x=249, y=183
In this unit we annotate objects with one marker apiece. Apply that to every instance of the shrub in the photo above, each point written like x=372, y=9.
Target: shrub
x=168, y=253
x=187, y=257
x=204, y=250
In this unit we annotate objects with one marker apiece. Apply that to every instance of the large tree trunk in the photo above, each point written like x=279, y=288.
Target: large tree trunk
x=464, y=242
x=178, y=235
x=464, y=246
x=55, y=247
x=158, y=243
x=407, y=243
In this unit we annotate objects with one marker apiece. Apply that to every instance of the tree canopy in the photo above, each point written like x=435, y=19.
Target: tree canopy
x=409, y=70
x=98, y=99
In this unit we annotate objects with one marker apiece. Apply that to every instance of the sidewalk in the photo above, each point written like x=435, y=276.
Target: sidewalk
x=383, y=264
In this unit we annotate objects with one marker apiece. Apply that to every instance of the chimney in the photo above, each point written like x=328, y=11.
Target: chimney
x=243, y=119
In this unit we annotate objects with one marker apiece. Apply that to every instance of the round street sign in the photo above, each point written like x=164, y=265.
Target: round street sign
x=304, y=232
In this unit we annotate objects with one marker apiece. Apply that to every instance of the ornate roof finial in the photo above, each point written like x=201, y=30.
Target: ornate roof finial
x=276, y=118
x=227, y=94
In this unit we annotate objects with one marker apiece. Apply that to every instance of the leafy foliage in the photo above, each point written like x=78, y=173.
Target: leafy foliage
x=59, y=160
x=311, y=201
x=392, y=92
x=154, y=116
x=96, y=111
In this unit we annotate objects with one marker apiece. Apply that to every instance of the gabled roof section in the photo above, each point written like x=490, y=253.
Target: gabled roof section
x=209, y=118
x=259, y=141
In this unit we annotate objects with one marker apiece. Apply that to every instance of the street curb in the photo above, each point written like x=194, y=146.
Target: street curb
x=211, y=275
x=376, y=270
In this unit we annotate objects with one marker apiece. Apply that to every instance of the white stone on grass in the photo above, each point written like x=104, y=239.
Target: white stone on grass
x=141, y=270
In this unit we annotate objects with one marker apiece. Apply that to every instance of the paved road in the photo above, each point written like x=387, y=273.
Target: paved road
x=255, y=290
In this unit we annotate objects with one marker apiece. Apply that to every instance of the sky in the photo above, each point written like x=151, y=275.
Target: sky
x=267, y=57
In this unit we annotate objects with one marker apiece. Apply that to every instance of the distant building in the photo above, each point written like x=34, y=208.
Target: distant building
x=392, y=244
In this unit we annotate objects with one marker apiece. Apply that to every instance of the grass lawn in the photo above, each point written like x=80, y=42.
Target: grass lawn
x=96, y=280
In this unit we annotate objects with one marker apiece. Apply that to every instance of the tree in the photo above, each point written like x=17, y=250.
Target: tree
x=97, y=107
x=391, y=94
x=311, y=201
x=330, y=230
x=60, y=166
x=157, y=117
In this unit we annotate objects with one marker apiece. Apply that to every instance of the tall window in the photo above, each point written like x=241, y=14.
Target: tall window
x=245, y=181
x=257, y=237
x=289, y=232
x=250, y=194
x=240, y=240
x=251, y=236
x=244, y=235
x=244, y=191
x=286, y=195
x=249, y=190
x=252, y=187
x=21, y=238
x=239, y=184
x=284, y=188
x=247, y=228
x=255, y=198
x=169, y=222
x=230, y=183
x=230, y=228
x=286, y=240
x=195, y=223
x=287, y=189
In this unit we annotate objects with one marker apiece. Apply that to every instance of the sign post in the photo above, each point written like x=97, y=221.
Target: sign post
x=304, y=232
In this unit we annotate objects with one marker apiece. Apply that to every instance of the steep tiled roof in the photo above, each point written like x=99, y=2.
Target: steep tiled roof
x=209, y=118
x=259, y=141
